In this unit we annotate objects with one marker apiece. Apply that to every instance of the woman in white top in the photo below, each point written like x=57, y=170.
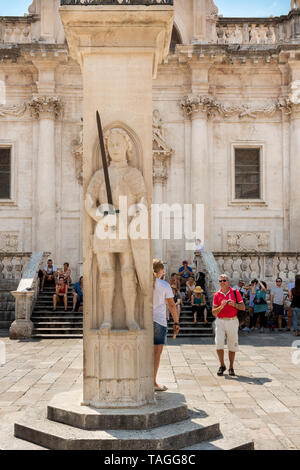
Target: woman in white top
x=162, y=297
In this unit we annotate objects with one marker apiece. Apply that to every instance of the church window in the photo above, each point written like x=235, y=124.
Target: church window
x=247, y=173
x=5, y=173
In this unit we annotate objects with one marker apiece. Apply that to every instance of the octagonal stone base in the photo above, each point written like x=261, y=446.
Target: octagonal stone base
x=66, y=408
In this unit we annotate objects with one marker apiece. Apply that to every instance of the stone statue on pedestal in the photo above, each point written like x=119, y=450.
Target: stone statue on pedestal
x=108, y=243
x=295, y=4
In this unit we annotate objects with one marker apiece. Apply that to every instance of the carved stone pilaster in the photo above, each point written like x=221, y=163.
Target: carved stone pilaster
x=161, y=151
x=77, y=153
x=45, y=106
x=195, y=104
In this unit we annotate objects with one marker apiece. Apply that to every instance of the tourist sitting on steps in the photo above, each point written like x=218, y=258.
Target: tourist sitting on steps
x=65, y=272
x=61, y=295
x=77, y=295
x=185, y=271
x=190, y=286
x=49, y=274
x=199, y=304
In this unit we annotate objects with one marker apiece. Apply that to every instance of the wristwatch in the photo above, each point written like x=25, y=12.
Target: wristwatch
x=176, y=324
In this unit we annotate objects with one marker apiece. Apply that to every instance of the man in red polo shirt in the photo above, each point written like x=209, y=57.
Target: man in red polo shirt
x=226, y=304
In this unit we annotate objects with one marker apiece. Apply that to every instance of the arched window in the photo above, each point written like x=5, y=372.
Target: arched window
x=176, y=39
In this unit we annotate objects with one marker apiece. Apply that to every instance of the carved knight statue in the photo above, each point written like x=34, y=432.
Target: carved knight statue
x=126, y=181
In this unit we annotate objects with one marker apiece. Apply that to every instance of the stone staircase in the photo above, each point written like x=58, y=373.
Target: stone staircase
x=187, y=327
x=59, y=324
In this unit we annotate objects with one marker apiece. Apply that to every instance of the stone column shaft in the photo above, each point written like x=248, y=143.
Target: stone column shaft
x=200, y=190
x=294, y=179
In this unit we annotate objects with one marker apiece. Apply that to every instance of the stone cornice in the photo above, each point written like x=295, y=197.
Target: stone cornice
x=207, y=106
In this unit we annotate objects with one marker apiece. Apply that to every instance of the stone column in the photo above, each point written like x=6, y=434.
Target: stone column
x=46, y=109
x=119, y=48
x=195, y=107
x=160, y=178
x=294, y=178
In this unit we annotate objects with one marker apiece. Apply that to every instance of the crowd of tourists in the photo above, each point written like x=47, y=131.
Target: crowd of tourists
x=243, y=306
x=61, y=281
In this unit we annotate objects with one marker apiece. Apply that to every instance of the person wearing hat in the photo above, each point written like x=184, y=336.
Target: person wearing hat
x=199, y=304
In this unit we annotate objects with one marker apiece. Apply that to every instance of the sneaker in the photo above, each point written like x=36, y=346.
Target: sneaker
x=246, y=329
x=261, y=330
x=231, y=373
x=221, y=371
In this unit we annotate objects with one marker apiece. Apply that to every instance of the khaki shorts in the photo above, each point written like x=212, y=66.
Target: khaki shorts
x=229, y=330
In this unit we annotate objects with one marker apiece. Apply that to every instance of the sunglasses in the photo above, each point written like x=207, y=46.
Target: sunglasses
x=222, y=280
x=279, y=282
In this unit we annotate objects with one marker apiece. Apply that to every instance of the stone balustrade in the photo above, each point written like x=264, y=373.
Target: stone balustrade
x=263, y=266
x=15, y=30
x=259, y=31
x=246, y=33
x=116, y=2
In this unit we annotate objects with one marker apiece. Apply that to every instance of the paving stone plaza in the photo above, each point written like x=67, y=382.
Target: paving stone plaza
x=265, y=395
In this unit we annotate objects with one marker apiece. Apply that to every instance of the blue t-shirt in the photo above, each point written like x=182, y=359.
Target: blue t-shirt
x=185, y=274
x=77, y=289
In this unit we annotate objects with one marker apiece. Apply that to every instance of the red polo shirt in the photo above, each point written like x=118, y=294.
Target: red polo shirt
x=228, y=311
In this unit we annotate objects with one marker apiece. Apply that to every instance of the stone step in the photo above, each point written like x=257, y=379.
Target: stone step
x=56, y=336
x=56, y=436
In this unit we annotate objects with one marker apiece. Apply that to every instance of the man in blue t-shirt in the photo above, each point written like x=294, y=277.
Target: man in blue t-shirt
x=185, y=272
x=77, y=294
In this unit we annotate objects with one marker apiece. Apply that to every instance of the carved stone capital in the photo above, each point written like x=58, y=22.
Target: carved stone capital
x=196, y=104
x=45, y=106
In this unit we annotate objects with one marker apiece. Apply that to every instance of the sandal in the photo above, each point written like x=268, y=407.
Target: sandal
x=161, y=389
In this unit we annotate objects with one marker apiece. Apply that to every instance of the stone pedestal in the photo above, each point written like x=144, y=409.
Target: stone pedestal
x=118, y=48
x=22, y=327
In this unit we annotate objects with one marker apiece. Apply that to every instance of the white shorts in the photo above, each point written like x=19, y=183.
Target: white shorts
x=229, y=330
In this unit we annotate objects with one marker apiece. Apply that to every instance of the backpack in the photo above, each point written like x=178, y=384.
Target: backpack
x=242, y=314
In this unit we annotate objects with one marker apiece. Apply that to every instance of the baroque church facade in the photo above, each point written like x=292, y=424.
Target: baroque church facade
x=226, y=132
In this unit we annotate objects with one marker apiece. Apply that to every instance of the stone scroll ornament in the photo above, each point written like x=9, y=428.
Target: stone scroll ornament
x=127, y=182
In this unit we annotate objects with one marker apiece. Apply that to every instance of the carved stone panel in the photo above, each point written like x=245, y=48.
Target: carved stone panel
x=9, y=241
x=248, y=241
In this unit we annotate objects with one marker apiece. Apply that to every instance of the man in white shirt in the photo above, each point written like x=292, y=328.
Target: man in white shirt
x=162, y=297
x=49, y=273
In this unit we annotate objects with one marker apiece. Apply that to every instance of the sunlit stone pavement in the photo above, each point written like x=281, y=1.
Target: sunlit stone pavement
x=265, y=395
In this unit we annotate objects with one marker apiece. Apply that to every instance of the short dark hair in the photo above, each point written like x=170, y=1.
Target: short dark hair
x=278, y=279
x=67, y=264
x=61, y=277
x=264, y=284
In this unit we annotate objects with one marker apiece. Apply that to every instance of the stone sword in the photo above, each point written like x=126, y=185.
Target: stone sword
x=111, y=209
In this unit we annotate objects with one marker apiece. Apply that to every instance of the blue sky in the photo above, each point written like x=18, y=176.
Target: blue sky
x=226, y=7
